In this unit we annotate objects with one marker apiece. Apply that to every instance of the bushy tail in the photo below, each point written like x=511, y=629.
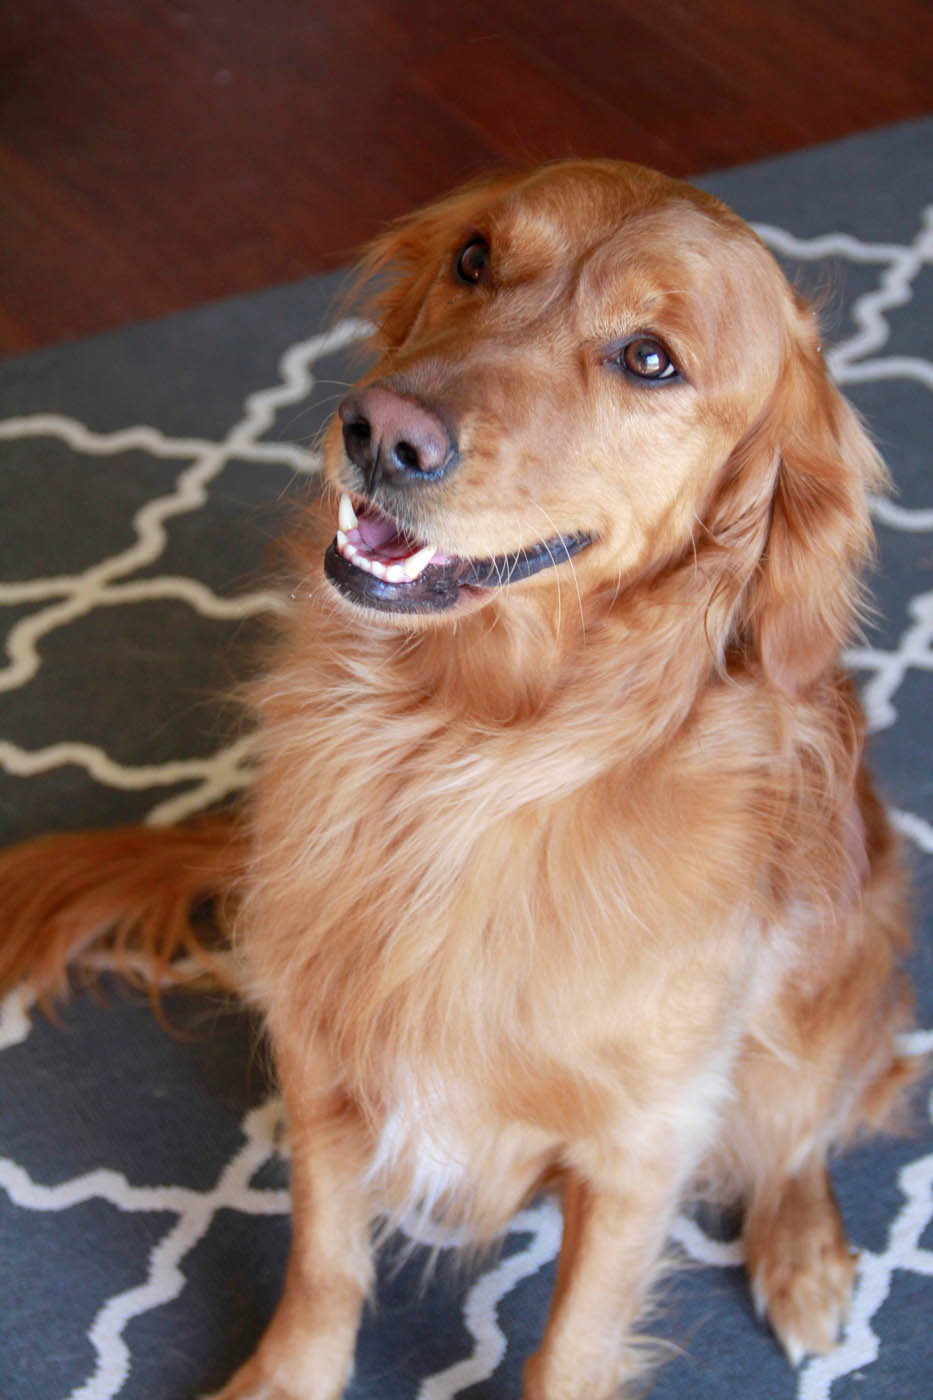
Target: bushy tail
x=134, y=900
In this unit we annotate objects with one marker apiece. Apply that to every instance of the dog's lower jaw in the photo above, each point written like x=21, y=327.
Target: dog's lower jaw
x=450, y=583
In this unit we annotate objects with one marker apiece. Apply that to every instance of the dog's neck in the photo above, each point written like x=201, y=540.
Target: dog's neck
x=516, y=663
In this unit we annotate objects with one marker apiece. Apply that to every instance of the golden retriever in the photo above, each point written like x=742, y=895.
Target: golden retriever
x=562, y=865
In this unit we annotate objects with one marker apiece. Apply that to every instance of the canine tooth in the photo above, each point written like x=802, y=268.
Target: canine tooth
x=341, y=539
x=416, y=564
x=346, y=515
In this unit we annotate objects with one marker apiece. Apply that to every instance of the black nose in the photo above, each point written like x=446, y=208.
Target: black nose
x=394, y=439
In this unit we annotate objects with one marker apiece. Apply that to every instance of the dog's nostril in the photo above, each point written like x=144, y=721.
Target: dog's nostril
x=359, y=430
x=407, y=456
x=357, y=437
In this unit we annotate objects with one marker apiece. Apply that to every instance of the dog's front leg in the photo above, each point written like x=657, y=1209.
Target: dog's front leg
x=613, y=1237
x=307, y=1350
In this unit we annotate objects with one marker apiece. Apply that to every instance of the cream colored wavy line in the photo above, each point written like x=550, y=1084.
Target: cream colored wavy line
x=828, y=245
x=919, y=1042
x=148, y=523
x=905, y=261
x=190, y=488
x=895, y=289
x=889, y=367
x=480, y=1308
x=262, y=406
x=197, y=595
x=914, y=649
x=25, y=763
x=901, y=517
x=903, y=1252
x=15, y=1020
x=195, y=1212
x=703, y=1248
x=915, y=828
x=229, y=772
x=143, y=438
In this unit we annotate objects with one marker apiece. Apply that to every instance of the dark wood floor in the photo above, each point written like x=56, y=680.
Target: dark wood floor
x=156, y=155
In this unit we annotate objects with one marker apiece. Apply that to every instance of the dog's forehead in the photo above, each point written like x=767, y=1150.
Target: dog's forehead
x=618, y=228
x=676, y=255
x=625, y=249
x=579, y=205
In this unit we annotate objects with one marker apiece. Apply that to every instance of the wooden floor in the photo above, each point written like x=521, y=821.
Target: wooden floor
x=156, y=155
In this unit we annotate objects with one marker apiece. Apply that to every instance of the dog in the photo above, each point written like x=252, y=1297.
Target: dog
x=562, y=868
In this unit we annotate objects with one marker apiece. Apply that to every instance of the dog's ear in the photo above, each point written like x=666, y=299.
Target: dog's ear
x=394, y=275
x=397, y=269
x=810, y=463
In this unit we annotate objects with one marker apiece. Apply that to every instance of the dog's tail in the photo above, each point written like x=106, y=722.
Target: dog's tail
x=137, y=900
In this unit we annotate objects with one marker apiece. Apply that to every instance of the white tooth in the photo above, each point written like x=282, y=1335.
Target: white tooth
x=348, y=550
x=341, y=539
x=362, y=561
x=346, y=515
x=416, y=564
x=395, y=573
x=376, y=567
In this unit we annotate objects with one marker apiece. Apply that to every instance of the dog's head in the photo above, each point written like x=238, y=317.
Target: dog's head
x=594, y=371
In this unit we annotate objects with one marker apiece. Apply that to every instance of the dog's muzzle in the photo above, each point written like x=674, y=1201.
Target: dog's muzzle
x=395, y=442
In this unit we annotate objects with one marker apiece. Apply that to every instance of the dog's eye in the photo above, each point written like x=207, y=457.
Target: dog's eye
x=647, y=359
x=472, y=259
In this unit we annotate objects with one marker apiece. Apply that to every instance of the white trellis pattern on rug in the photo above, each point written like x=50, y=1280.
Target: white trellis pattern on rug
x=864, y=356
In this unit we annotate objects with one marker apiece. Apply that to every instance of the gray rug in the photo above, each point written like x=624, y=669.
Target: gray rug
x=143, y=1200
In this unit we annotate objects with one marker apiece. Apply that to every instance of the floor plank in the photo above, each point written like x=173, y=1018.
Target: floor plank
x=158, y=155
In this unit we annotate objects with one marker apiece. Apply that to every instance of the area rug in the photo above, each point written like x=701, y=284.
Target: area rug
x=143, y=1191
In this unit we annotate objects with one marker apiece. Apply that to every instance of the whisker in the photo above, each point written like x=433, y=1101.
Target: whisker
x=573, y=570
x=693, y=542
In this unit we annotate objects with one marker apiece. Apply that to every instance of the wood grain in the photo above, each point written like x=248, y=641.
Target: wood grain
x=157, y=155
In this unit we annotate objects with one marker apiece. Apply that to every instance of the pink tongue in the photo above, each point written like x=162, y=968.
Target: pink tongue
x=380, y=536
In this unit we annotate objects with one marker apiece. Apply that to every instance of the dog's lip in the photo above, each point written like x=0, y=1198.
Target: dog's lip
x=376, y=561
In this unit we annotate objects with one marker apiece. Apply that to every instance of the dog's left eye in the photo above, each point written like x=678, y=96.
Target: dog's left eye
x=472, y=260
x=647, y=358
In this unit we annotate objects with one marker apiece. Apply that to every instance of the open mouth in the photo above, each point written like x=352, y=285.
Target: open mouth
x=375, y=562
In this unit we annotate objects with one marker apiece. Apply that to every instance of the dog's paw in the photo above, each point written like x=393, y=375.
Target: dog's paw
x=799, y=1263
x=252, y=1393
x=249, y=1384
x=234, y=1391
x=803, y=1285
x=264, y=1378
x=264, y=1390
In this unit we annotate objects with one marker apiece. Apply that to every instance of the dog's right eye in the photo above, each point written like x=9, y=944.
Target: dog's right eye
x=647, y=358
x=472, y=260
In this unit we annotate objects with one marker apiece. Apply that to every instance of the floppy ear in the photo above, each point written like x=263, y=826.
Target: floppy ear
x=804, y=597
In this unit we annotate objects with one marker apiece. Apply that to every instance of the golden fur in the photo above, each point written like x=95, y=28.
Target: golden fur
x=583, y=881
